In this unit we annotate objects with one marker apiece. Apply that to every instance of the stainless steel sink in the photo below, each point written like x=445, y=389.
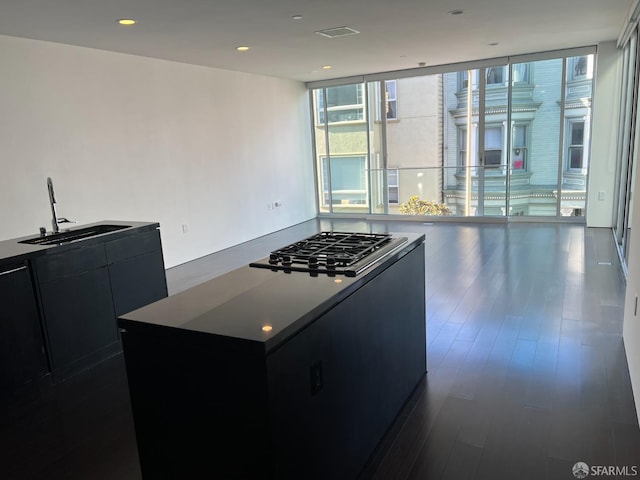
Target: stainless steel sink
x=73, y=235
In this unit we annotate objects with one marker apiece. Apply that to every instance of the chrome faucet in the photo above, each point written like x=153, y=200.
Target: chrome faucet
x=55, y=221
x=52, y=202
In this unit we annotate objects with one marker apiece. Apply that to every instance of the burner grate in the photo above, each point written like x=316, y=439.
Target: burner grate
x=331, y=252
x=330, y=249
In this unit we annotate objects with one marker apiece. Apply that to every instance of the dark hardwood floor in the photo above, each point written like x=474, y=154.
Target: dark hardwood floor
x=527, y=373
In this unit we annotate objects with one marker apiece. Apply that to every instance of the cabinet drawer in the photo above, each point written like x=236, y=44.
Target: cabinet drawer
x=79, y=315
x=13, y=268
x=70, y=262
x=132, y=246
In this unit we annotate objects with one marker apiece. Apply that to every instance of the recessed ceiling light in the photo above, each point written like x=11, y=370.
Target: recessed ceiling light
x=297, y=17
x=455, y=12
x=326, y=67
x=242, y=48
x=127, y=21
x=493, y=44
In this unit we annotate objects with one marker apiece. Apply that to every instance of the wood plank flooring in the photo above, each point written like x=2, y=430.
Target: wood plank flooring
x=527, y=371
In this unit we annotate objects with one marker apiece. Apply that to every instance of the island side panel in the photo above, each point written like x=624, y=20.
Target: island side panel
x=199, y=405
x=336, y=387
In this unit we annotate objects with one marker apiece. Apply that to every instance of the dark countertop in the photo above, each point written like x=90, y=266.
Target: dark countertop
x=11, y=251
x=240, y=303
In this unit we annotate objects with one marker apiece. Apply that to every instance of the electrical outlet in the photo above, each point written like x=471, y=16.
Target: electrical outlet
x=601, y=196
x=315, y=378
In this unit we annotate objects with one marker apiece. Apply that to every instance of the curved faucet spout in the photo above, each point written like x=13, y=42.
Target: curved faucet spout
x=52, y=202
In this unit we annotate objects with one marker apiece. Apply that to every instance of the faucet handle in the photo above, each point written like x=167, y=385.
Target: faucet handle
x=65, y=220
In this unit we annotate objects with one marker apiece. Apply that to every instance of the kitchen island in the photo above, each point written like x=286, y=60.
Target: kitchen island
x=275, y=374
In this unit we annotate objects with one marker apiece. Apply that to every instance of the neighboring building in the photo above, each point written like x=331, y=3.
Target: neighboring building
x=370, y=162
x=355, y=180
x=530, y=173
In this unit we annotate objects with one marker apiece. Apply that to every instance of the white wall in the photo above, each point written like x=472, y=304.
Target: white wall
x=604, y=132
x=133, y=138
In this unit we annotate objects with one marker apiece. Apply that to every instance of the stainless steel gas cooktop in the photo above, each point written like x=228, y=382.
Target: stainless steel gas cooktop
x=332, y=253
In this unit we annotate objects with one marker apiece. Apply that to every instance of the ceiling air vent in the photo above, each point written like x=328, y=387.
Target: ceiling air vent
x=337, y=32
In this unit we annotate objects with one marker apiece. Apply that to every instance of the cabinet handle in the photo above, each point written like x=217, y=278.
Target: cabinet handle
x=13, y=271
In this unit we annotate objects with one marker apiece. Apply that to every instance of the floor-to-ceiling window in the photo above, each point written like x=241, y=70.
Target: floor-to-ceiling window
x=502, y=138
x=577, y=130
x=627, y=141
x=340, y=119
x=536, y=132
x=411, y=148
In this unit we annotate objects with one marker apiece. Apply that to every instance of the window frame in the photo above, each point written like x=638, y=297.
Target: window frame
x=526, y=80
x=570, y=122
x=525, y=147
x=393, y=172
x=389, y=100
x=504, y=74
x=527, y=73
x=573, y=63
x=325, y=182
x=462, y=136
x=319, y=98
x=463, y=82
x=493, y=126
x=462, y=152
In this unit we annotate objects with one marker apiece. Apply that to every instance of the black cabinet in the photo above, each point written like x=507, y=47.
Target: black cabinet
x=75, y=292
x=313, y=407
x=336, y=387
x=84, y=287
x=22, y=354
x=136, y=270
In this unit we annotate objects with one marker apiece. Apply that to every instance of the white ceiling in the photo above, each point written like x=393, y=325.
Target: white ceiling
x=394, y=35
